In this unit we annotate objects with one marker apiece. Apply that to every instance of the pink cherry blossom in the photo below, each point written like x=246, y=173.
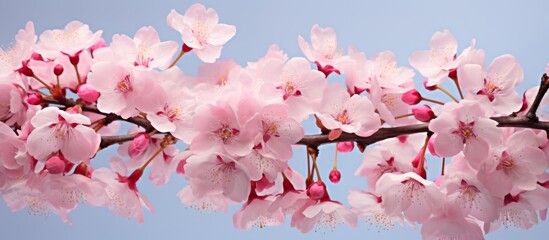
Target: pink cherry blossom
x=389, y=75
x=327, y=214
x=14, y=110
x=74, y=38
x=173, y=107
x=409, y=194
x=145, y=49
x=351, y=114
x=295, y=83
x=256, y=213
x=516, y=165
x=12, y=59
x=380, y=160
x=368, y=206
x=212, y=202
x=388, y=104
x=494, y=87
x=517, y=212
x=447, y=227
x=14, y=162
x=68, y=78
x=120, y=86
x=217, y=173
x=123, y=197
x=464, y=124
x=260, y=165
x=57, y=130
x=201, y=31
x=435, y=64
x=323, y=50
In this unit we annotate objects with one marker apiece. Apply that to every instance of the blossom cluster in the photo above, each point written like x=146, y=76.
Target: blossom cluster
x=63, y=94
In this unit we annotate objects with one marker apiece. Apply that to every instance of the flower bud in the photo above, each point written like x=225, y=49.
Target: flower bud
x=58, y=70
x=430, y=88
x=411, y=97
x=25, y=70
x=317, y=191
x=34, y=99
x=423, y=113
x=87, y=93
x=139, y=144
x=55, y=165
x=345, y=146
x=99, y=44
x=335, y=176
x=36, y=56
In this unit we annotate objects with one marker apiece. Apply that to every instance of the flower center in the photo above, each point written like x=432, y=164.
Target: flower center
x=343, y=117
x=225, y=132
x=125, y=85
x=465, y=131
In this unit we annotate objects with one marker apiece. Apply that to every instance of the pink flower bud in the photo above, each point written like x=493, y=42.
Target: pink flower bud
x=335, y=176
x=430, y=88
x=58, y=70
x=411, y=97
x=431, y=146
x=139, y=144
x=99, y=44
x=36, y=56
x=317, y=191
x=87, y=93
x=34, y=99
x=423, y=113
x=345, y=146
x=55, y=165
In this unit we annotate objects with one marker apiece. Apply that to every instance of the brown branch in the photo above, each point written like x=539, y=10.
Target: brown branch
x=543, y=87
x=385, y=133
x=139, y=121
x=110, y=140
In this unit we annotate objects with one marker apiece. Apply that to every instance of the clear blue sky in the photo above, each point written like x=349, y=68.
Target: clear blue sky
x=403, y=27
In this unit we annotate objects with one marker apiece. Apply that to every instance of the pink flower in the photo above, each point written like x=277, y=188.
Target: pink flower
x=13, y=107
x=57, y=130
x=517, y=212
x=120, y=86
x=279, y=131
x=341, y=112
x=516, y=165
x=212, y=173
x=494, y=88
x=435, y=64
x=172, y=108
x=123, y=197
x=14, y=160
x=466, y=196
x=295, y=83
x=446, y=227
x=145, y=49
x=368, y=206
x=409, y=194
x=74, y=38
x=256, y=213
x=323, y=50
x=201, y=31
x=464, y=124
x=380, y=160
x=389, y=104
x=213, y=202
x=12, y=59
x=325, y=213
x=259, y=165
x=384, y=68
x=221, y=128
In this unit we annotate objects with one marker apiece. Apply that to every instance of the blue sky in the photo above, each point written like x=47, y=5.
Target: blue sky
x=401, y=26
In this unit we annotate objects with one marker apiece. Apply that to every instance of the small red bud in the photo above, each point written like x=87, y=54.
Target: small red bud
x=423, y=113
x=34, y=99
x=36, y=56
x=335, y=176
x=317, y=191
x=55, y=165
x=345, y=146
x=58, y=70
x=411, y=97
x=139, y=144
x=87, y=93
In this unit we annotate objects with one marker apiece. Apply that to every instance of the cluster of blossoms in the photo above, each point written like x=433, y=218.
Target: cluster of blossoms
x=62, y=95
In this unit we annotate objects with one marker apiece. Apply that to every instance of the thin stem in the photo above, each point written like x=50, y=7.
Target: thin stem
x=443, y=165
x=458, y=88
x=318, y=178
x=423, y=150
x=404, y=116
x=447, y=93
x=432, y=100
x=162, y=147
x=77, y=74
x=43, y=83
x=177, y=59
x=335, y=157
x=308, y=166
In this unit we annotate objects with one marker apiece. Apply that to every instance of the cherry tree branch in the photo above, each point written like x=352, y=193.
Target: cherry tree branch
x=139, y=121
x=543, y=87
x=391, y=132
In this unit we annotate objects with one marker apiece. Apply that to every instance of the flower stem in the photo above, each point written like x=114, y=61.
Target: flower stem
x=458, y=88
x=177, y=59
x=432, y=100
x=448, y=93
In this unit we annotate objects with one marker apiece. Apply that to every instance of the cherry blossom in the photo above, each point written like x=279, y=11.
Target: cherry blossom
x=201, y=31
x=323, y=50
x=71, y=40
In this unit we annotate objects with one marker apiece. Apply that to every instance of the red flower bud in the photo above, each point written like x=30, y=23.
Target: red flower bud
x=411, y=97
